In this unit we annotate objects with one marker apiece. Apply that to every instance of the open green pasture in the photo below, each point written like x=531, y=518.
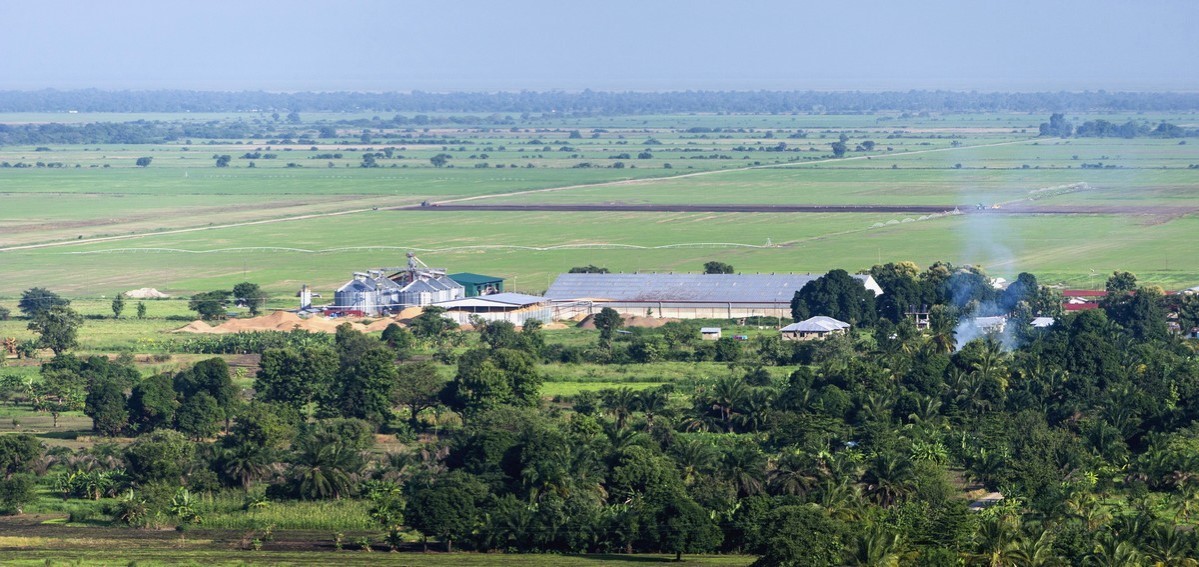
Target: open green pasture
x=915, y=161
x=520, y=247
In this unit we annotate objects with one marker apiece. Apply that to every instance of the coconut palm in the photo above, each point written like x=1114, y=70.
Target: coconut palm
x=1113, y=552
x=995, y=541
x=325, y=470
x=1167, y=547
x=246, y=463
x=621, y=403
x=744, y=468
x=889, y=478
x=1034, y=551
x=876, y=547
x=842, y=500
x=694, y=457
x=792, y=474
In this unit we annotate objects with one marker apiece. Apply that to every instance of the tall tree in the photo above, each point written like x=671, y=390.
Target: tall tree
x=366, y=377
x=250, y=295
x=153, y=403
x=58, y=328
x=118, y=305
x=295, y=376
x=37, y=300
x=210, y=305
x=715, y=267
x=106, y=405
x=446, y=508
x=608, y=320
x=417, y=387
x=837, y=295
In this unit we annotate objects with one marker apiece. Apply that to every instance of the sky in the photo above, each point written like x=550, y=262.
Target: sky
x=610, y=45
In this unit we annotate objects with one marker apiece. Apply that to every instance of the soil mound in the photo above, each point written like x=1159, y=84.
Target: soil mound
x=195, y=327
x=146, y=293
x=409, y=313
x=588, y=322
x=277, y=321
x=381, y=325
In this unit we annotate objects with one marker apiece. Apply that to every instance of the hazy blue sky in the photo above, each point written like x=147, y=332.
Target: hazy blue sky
x=600, y=44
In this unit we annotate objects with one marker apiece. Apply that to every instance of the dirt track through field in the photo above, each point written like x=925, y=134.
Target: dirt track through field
x=915, y=209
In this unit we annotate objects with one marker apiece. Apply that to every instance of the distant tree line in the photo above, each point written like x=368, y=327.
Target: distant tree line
x=1059, y=126
x=588, y=101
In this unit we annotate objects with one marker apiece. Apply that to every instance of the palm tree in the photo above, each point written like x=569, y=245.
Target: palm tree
x=695, y=457
x=792, y=474
x=744, y=467
x=727, y=394
x=653, y=402
x=842, y=500
x=1034, y=551
x=754, y=411
x=246, y=463
x=889, y=478
x=876, y=547
x=1167, y=547
x=325, y=470
x=942, y=329
x=995, y=541
x=621, y=403
x=1113, y=552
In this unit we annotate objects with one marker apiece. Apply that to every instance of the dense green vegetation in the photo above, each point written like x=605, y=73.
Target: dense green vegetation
x=864, y=450
x=858, y=449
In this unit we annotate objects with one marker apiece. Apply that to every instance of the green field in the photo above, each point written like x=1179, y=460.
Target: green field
x=182, y=225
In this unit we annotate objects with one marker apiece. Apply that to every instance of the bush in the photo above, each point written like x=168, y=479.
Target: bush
x=16, y=492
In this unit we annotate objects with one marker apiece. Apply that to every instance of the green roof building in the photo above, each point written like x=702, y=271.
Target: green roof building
x=478, y=284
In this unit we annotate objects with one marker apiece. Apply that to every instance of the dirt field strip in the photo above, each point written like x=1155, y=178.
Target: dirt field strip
x=479, y=197
x=716, y=171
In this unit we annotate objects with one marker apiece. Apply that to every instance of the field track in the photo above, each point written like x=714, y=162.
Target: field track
x=916, y=209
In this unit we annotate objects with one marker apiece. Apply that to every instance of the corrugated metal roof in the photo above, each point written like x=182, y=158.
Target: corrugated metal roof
x=817, y=324
x=494, y=300
x=710, y=288
x=709, y=330
x=430, y=285
x=1042, y=322
x=467, y=277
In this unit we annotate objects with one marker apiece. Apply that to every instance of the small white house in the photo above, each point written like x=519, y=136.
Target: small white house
x=1042, y=322
x=817, y=327
x=709, y=333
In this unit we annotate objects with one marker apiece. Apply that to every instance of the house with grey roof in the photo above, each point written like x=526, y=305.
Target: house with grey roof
x=688, y=296
x=818, y=327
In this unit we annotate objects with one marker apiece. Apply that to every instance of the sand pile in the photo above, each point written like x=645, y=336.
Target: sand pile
x=381, y=325
x=277, y=321
x=409, y=313
x=588, y=322
x=195, y=327
x=146, y=293
x=554, y=326
x=647, y=322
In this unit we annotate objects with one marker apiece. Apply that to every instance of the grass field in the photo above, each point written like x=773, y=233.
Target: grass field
x=316, y=221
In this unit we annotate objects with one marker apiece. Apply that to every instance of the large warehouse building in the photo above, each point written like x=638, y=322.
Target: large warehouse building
x=688, y=296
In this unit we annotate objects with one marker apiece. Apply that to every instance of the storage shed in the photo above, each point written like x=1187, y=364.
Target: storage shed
x=688, y=296
x=709, y=333
x=817, y=327
x=515, y=308
x=478, y=284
